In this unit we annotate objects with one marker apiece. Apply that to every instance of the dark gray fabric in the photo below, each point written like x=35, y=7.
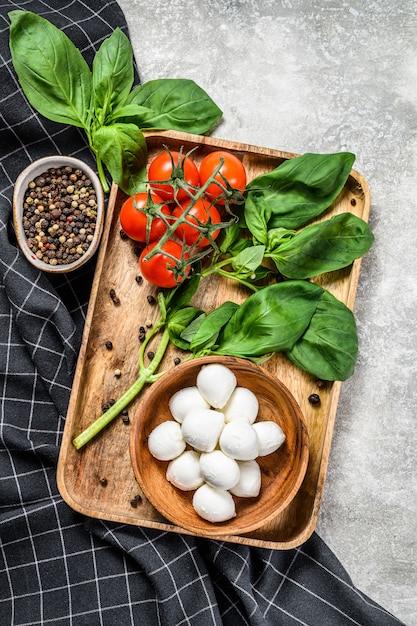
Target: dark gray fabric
x=57, y=567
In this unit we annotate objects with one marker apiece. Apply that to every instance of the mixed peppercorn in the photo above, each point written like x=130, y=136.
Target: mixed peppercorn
x=59, y=215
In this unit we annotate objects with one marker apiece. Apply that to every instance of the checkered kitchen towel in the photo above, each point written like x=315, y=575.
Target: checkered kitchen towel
x=57, y=567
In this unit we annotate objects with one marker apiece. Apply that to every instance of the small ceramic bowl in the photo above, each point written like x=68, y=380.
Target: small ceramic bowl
x=282, y=471
x=28, y=175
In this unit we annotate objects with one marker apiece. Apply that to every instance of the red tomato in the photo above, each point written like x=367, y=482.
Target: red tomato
x=134, y=221
x=161, y=169
x=201, y=213
x=232, y=169
x=157, y=270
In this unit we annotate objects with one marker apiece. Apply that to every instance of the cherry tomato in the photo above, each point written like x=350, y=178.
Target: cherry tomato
x=201, y=213
x=157, y=270
x=161, y=168
x=232, y=169
x=134, y=221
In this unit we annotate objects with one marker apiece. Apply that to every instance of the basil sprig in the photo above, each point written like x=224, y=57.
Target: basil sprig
x=296, y=191
x=59, y=84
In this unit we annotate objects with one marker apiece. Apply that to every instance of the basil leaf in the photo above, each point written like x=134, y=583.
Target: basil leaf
x=248, y=260
x=323, y=247
x=296, y=191
x=278, y=236
x=229, y=236
x=128, y=113
x=257, y=216
x=189, y=332
x=176, y=104
x=270, y=320
x=180, y=321
x=113, y=74
x=180, y=297
x=329, y=347
x=51, y=70
x=122, y=147
x=208, y=330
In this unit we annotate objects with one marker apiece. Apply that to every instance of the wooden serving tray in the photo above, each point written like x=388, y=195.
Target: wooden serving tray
x=98, y=481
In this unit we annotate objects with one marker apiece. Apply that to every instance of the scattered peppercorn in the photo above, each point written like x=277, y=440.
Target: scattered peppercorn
x=150, y=354
x=135, y=501
x=142, y=337
x=103, y=481
x=60, y=215
x=125, y=412
x=137, y=251
x=142, y=329
x=314, y=398
x=148, y=324
x=353, y=202
x=123, y=234
x=151, y=299
x=125, y=419
x=114, y=297
x=139, y=279
x=109, y=345
x=112, y=401
x=117, y=373
x=177, y=361
x=105, y=407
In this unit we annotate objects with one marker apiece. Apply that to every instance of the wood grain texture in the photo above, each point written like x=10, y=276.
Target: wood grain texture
x=80, y=474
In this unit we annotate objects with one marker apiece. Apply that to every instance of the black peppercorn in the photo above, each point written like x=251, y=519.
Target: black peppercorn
x=314, y=398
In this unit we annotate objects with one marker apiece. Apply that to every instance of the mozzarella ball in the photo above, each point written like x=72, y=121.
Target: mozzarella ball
x=201, y=428
x=239, y=441
x=184, y=471
x=214, y=505
x=216, y=383
x=184, y=400
x=166, y=441
x=269, y=435
x=219, y=470
x=242, y=404
x=249, y=484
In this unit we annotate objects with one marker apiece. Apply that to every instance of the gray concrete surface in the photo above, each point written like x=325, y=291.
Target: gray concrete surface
x=325, y=76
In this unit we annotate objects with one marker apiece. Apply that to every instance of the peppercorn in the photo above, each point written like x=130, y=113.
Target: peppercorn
x=109, y=345
x=177, y=361
x=151, y=299
x=139, y=279
x=314, y=398
x=48, y=195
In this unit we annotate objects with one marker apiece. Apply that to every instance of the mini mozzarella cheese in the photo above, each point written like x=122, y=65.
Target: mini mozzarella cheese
x=184, y=472
x=201, y=428
x=239, y=441
x=214, y=505
x=242, y=404
x=184, y=400
x=216, y=383
x=270, y=437
x=249, y=484
x=166, y=441
x=219, y=470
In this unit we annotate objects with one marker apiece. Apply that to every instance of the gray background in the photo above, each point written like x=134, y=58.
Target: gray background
x=326, y=76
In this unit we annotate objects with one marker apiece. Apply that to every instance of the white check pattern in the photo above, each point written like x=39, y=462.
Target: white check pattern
x=57, y=567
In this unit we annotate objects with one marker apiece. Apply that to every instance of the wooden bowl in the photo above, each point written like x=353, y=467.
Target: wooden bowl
x=34, y=170
x=282, y=472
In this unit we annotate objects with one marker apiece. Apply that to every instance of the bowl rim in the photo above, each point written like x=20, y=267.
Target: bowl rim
x=35, y=168
x=224, y=528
